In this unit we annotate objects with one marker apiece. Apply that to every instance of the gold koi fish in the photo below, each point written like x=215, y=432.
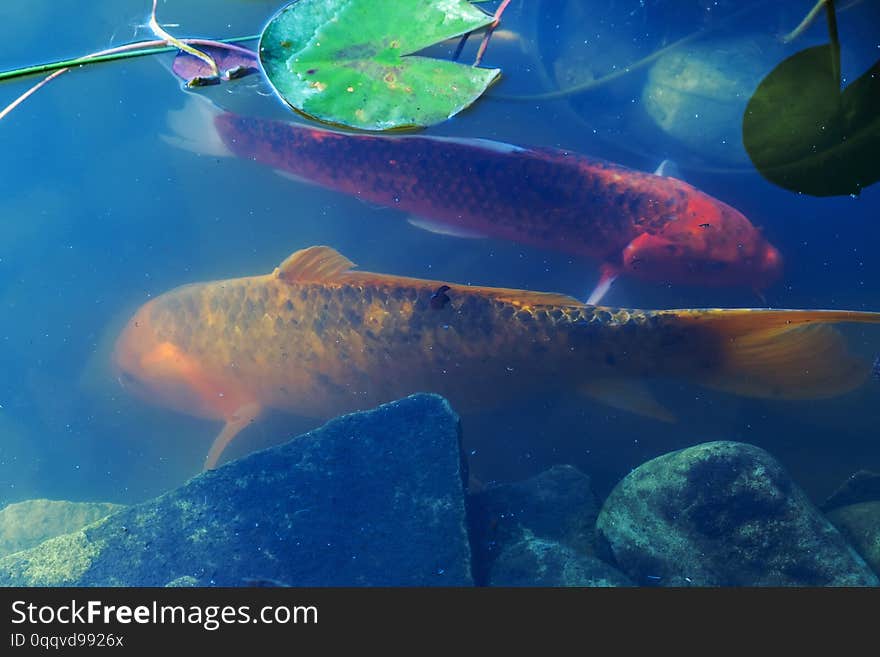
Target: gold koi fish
x=318, y=339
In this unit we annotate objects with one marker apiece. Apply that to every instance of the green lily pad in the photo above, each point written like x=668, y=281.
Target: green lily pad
x=350, y=62
x=804, y=134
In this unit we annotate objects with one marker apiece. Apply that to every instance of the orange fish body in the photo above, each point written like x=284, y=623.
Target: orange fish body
x=317, y=339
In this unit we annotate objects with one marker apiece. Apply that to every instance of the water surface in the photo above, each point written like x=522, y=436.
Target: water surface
x=98, y=214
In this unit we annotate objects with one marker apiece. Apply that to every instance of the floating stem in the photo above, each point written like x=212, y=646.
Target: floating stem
x=121, y=52
x=810, y=17
x=485, y=42
x=138, y=49
x=160, y=32
x=835, y=41
x=804, y=24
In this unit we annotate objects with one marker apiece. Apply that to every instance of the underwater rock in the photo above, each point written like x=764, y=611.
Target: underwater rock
x=26, y=524
x=697, y=93
x=860, y=524
x=535, y=561
x=369, y=499
x=723, y=514
x=539, y=532
x=187, y=581
x=574, y=60
x=557, y=504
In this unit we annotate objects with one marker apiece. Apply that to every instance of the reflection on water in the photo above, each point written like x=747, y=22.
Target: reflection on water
x=98, y=214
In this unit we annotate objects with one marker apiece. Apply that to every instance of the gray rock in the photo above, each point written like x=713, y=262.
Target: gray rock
x=723, y=514
x=186, y=581
x=539, y=532
x=26, y=524
x=697, y=93
x=534, y=561
x=557, y=504
x=369, y=499
x=860, y=524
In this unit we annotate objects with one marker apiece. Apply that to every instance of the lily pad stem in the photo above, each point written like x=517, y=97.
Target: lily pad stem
x=835, y=41
x=139, y=49
x=485, y=42
x=121, y=52
x=160, y=32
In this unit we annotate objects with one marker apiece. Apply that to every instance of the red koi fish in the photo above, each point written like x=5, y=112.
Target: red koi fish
x=652, y=227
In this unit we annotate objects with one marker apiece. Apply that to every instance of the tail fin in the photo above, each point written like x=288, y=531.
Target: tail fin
x=779, y=354
x=193, y=128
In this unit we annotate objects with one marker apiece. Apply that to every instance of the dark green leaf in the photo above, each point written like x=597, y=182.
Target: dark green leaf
x=803, y=134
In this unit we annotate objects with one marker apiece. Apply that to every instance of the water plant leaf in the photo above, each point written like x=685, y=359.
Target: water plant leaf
x=232, y=61
x=351, y=62
x=804, y=134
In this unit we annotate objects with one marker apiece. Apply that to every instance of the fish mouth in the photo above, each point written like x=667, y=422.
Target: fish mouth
x=135, y=340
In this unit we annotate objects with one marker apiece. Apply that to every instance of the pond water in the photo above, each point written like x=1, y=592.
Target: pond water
x=99, y=214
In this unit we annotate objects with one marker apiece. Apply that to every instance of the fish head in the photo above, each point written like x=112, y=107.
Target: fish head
x=709, y=243
x=157, y=370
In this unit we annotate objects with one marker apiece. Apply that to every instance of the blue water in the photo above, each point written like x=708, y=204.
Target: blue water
x=98, y=214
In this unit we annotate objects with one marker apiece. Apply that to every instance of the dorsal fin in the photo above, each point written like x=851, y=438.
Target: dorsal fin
x=316, y=263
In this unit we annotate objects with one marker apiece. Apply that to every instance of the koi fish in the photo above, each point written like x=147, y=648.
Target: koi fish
x=647, y=226
x=317, y=339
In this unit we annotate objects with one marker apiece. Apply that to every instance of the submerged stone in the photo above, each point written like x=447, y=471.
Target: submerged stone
x=723, y=514
x=536, y=561
x=539, y=532
x=369, y=499
x=697, y=93
x=26, y=524
x=860, y=523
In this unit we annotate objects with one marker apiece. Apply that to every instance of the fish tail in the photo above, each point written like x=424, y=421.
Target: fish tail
x=779, y=354
x=193, y=128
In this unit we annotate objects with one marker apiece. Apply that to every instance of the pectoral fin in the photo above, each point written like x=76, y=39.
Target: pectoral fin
x=668, y=169
x=608, y=274
x=234, y=424
x=628, y=396
x=440, y=228
x=294, y=177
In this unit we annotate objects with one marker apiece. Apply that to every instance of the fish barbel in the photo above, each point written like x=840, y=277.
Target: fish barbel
x=318, y=339
x=647, y=226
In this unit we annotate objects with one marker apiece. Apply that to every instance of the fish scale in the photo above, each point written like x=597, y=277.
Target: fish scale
x=254, y=322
